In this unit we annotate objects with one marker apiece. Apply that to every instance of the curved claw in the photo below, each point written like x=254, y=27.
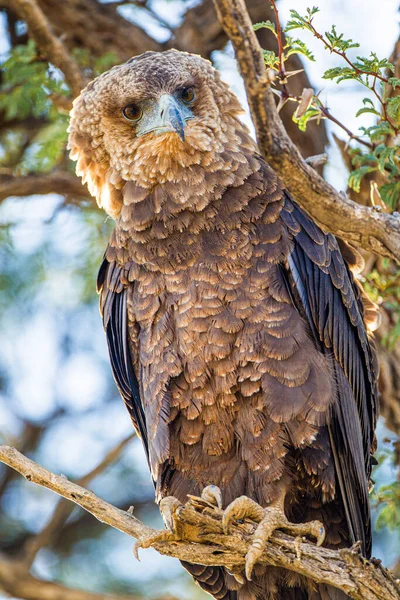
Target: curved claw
x=213, y=495
x=135, y=549
x=239, y=509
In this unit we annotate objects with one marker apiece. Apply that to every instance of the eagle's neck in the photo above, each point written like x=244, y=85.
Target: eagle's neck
x=156, y=221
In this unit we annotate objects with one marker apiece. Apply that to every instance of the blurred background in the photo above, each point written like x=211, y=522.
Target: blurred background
x=58, y=401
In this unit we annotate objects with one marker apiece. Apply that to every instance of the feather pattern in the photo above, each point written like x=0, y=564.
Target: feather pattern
x=114, y=312
x=236, y=332
x=334, y=311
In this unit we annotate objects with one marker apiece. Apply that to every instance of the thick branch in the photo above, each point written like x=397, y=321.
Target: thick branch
x=51, y=46
x=346, y=570
x=57, y=182
x=359, y=225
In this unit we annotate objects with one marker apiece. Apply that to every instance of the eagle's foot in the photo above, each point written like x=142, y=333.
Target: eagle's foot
x=269, y=519
x=169, y=508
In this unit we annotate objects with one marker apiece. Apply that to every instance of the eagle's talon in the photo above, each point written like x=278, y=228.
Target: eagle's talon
x=147, y=542
x=213, y=495
x=269, y=519
x=239, y=509
x=169, y=509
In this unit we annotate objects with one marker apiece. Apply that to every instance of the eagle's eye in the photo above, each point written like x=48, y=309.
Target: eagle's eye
x=132, y=112
x=187, y=94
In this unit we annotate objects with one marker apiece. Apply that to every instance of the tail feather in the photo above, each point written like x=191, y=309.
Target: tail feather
x=212, y=580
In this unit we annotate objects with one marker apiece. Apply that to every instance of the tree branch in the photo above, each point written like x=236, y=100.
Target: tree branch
x=52, y=48
x=64, y=509
x=57, y=182
x=343, y=569
x=360, y=225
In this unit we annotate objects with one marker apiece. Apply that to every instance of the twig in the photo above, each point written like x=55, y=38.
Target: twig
x=56, y=182
x=64, y=509
x=345, y=569
x=51, y=47
x=360, y=225
x=328, y=115
x=343, y=55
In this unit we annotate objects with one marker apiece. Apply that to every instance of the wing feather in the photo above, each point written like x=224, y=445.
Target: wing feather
x=114, y=312
x=331, y=302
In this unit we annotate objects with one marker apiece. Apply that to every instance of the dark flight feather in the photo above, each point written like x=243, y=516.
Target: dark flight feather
x=333, y=308
x=114, y=313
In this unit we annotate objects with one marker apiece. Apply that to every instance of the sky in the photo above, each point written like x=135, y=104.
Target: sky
x=33, y=349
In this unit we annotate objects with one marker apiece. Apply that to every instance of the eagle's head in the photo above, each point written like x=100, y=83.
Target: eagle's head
x=147, y=119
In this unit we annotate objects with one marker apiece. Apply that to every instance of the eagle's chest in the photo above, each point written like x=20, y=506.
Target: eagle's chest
x=216, y=332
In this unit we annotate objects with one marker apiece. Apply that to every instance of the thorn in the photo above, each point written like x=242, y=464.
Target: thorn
x=291, y=73
x=130, y=510
x=276, y=92
x=281, y=103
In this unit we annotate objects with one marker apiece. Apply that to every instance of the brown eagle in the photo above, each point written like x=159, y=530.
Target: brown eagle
x=237, y=333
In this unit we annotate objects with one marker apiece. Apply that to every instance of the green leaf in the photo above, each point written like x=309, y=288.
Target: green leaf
x=270, y=59
x=298, y=22
x=366, y=109
x=390, y=194
x=341, y=73
x=355, y=177
x=372, y=65
x=298, y=47
x=378, y=132
x=338, y=42
x=311, y=113
x=385, y=156
x=265, y=25
x=393, y=109
x=369, y=107
x=394, y=82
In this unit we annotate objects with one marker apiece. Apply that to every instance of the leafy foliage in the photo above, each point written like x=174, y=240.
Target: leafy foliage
x=383, y=286
x=375, y=150
x=386, y=498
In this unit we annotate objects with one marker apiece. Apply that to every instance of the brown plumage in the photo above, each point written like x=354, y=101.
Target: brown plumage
x=235, y=327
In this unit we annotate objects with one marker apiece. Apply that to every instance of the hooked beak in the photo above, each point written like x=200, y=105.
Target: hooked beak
x=168, y=115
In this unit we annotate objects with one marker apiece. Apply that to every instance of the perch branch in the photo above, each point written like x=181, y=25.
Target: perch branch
x=343, y=569
x=51, y=46
x=64, y=509
x=362, y=226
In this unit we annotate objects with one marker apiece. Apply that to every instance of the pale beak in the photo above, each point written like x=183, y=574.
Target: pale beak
x=167, y=115
x=170, y=116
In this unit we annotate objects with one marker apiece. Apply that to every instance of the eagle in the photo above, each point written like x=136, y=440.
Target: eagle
x=238, y=335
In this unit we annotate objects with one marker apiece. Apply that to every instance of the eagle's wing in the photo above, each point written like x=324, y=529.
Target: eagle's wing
x=331, y=303
x=114, y=312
